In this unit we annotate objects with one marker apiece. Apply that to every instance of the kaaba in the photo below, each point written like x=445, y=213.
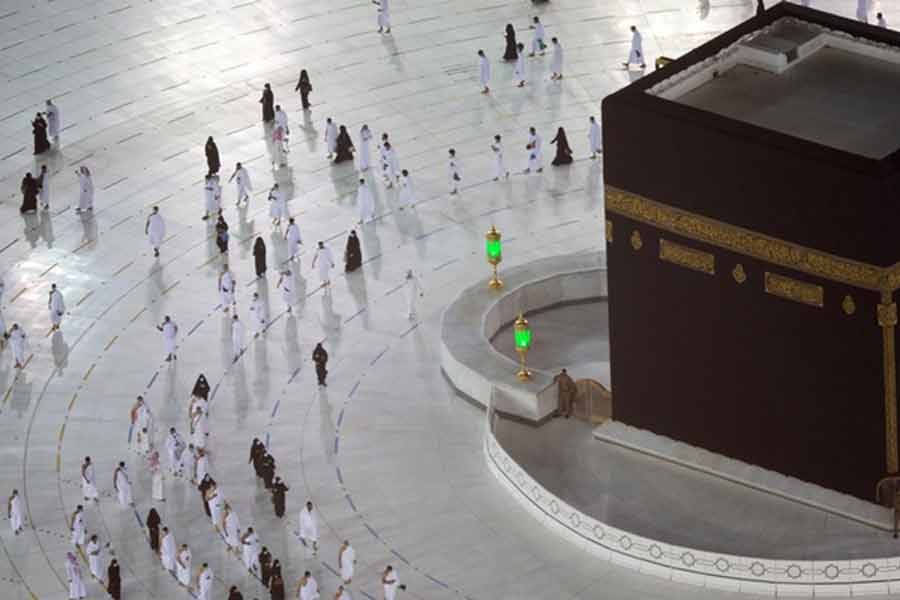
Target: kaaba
x=752, y=207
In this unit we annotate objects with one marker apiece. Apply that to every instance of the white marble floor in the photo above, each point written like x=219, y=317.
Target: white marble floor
x=389, y=455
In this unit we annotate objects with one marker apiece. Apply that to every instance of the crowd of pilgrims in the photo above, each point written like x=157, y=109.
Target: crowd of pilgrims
x=190, y=461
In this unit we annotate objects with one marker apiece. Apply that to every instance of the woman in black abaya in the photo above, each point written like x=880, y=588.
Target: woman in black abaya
x=304, y=87
x=268, y=104
x=352, y=253
x=344, y=149
x=29, y=194
x=259, y=256
x=563, y=152
x=212, y=156
x=510, y=53
x=201, y=388
x=39, y=129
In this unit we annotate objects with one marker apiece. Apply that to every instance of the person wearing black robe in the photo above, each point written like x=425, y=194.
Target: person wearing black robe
x=113, y=580
x=352, y=253
x=30, y=189
x=204, y=485
x=39, y=129
x=268, y=104
x=276, y=587
x=320, y=357
x=343, y=146
x=563, y=152
x=279, y=492
x=212, y=156
x=222, y=234
x=259, y=256
x=265, y=566
x=304, y=87
x=153, y=522
x=760, y=8
x=235, y=594
x=276, y=568
x=257, y=452
x=511, y=53
x=267, y=470
x=201, y=388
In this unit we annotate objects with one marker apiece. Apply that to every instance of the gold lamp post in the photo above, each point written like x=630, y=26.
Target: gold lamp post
x=522, y=334
x=493, y=247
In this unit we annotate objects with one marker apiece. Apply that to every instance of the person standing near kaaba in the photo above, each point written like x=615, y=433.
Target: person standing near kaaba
x=279, y=492
x=320, y=357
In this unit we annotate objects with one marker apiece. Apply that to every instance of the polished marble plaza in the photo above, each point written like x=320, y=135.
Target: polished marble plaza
x=389, y=454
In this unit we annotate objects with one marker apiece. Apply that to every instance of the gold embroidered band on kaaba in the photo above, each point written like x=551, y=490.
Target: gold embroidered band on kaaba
x=687, y=257
x=751, y=243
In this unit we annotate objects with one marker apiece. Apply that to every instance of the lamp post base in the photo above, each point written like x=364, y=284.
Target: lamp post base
x=524, y=374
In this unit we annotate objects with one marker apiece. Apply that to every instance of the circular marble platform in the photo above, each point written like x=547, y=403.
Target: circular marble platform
x=388, y=452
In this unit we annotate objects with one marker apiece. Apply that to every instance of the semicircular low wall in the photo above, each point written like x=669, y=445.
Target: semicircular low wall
x=482, y=373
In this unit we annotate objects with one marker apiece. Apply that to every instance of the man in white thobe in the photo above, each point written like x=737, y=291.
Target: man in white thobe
x=556, y=59
x=330, y=136
x=346, y=561
x=155, y=230
x=174, y=448
x=365, y=202
x=231, y=527
x=325, y=260
x=453, y=173
x=141, y=418
x=56, y=305
x=170, y=337
x=77, y=526
x=199, y=464
x=636, y=55
x=183, y=566
x=286, y=285
x=308, y=588
x=200, y=428
x=214, y=501
x=879, y=20
x=519, y=69
x=250, y=545
x=535, y=156
x=413, y=293
x=407, y=196
x=122, y=485
x=537, y=41
x=18, y=344
x=278, y=206
x=44, y=188
x=500, y=169
x=204, y=583
x=14, y=512
x=86, y=189
x=390, y=582
x=237, y=337
x=227, y=288
x=88, y=480
x=53, y=121
x=309, y=528
x=74, y=577
x=167, y=549
x=281, y=120
x=242, y=180
x=484, y=72
x=391, y=164
x=93, y=550
x=259, y=315
x=365, y=140
x=294, y=241
x=384, y=15
x=212, y=192
x=595, y=137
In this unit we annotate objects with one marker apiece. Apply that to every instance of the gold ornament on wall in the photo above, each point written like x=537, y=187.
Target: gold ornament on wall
x=636, y=242
x=738, y=273
x=690, y=258
x=793, y=289
x=848, y=305
x=609, y=232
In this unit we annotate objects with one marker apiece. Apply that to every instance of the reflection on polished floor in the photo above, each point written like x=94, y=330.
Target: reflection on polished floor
x=387, y=452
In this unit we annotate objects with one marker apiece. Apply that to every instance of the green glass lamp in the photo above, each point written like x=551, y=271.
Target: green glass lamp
x=493, y=247
x=523, y=337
